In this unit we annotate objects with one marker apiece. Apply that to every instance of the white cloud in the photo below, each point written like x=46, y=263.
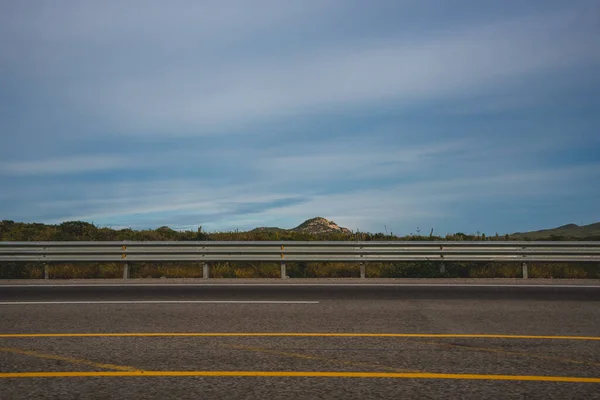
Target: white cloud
x=125, y=201
x=66, y=165
x=358, y=161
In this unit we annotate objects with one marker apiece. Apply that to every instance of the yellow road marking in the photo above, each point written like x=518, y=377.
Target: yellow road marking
x=315, y=358
x=76, y=361
x=302, y=374
x=294, y=334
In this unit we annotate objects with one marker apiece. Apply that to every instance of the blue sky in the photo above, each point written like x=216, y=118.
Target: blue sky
x=466, y=115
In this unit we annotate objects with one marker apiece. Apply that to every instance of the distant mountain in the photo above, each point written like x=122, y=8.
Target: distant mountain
x=565, y=232
x=314, y=226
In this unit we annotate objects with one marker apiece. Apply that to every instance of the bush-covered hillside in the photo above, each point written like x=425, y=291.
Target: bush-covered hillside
x=313, y=229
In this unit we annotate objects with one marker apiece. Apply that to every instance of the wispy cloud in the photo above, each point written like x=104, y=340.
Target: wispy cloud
x=430, y=202
x=328, y=163
x=66, y=165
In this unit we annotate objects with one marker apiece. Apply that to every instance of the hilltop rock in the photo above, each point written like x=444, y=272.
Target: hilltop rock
x=320, y=225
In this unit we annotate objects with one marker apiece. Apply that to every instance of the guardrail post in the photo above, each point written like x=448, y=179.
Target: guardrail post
x=125, y=271
x=363, y=272
x=442, y=268
x=46, y=271
x=283, y=274
x=205, y=271
x=525, y=274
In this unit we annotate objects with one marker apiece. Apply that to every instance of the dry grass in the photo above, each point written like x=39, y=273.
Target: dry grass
x=332, y=270
x=496, y=271
x=34, y=272
x=84, y=271
x=166, y=271
x=536, y=271
x=559, y=271
x=310, y=270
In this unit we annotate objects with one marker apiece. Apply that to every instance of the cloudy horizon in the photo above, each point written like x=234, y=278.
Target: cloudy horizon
x=471, y=116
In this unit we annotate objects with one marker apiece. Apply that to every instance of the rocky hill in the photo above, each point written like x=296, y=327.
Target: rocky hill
x=314, y=226
x=320, y=225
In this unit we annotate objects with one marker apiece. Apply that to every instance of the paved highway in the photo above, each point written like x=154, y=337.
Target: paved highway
x=299, y=341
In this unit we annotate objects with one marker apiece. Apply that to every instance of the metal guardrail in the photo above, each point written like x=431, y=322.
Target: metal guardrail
x=323, y=251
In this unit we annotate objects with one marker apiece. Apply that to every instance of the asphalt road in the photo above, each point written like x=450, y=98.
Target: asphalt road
x=299, y=341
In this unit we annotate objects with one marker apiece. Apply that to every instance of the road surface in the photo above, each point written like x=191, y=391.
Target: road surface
x=340, y=341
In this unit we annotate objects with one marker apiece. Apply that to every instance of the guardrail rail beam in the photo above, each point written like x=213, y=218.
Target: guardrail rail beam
x=127, y=252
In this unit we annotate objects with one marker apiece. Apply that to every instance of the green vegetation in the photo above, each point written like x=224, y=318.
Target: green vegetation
x=80, y=231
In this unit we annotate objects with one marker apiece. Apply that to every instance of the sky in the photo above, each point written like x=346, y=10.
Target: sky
x=398, y=115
